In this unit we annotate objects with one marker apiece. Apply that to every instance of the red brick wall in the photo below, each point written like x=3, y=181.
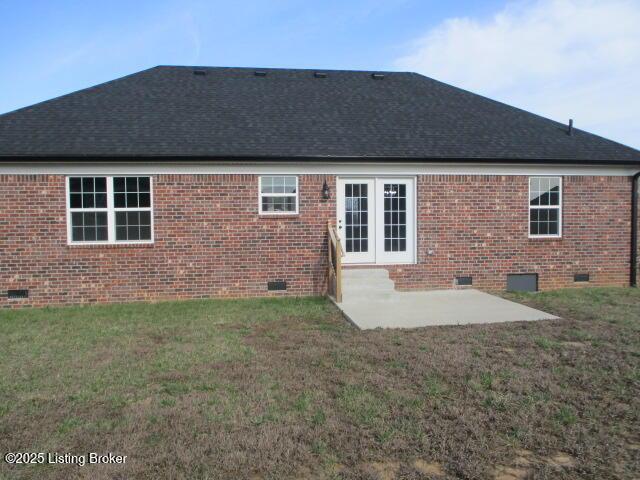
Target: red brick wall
x=211, y=242
x=477, y=225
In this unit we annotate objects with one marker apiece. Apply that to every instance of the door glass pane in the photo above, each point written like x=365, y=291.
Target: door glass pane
x=356, y=217
x=395, y=217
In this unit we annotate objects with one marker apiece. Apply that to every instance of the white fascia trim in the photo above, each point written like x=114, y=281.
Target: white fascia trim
x=308, y=168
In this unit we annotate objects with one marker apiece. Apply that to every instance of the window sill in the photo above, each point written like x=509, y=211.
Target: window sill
x=279, y=215
x=112, y=245
x=545, y=237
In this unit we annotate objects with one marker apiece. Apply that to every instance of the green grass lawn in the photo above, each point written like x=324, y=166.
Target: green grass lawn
x=285, y=388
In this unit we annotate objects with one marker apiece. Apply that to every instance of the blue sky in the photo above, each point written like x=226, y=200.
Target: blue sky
x=51, y=48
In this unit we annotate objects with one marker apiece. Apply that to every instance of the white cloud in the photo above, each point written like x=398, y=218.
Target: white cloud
x=559, y=58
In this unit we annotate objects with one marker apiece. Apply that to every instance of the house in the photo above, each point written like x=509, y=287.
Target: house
x=191, y=182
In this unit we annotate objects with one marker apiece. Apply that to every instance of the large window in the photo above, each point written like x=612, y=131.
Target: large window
x=109, y=210
x=278, y=194
x=545, y=207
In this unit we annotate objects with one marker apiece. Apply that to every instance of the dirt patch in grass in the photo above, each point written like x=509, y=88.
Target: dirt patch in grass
x=428, y=468
x=383, y=470
x=278, y=389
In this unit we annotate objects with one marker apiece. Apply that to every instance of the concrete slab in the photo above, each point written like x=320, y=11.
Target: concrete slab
x=370, y=301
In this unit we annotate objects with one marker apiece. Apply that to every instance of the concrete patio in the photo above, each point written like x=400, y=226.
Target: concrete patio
x=371, y=301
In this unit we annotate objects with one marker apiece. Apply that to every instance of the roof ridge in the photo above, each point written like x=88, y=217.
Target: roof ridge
x=283, y=69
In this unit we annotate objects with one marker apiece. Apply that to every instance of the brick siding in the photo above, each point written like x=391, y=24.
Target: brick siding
x=477, y=225
x=211, y=242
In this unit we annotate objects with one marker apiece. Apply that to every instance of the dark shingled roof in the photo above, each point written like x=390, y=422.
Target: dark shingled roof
x=233, y=113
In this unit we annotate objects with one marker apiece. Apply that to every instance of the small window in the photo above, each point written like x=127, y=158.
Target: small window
x=278, y=194
x=110, y=210
x=545, y=207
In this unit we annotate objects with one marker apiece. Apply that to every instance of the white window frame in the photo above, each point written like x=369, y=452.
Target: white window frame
x=261, y=195
x=558, y=207
x=111, y=212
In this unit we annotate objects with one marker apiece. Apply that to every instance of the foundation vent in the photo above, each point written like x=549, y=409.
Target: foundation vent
x=581, y=277
x=277, y=285
x=17, y=293
x=522, y=282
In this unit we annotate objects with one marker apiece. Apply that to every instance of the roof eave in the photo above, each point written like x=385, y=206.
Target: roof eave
x=306, y=158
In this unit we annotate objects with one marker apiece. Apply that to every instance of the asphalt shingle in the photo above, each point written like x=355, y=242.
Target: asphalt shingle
x=230, y=112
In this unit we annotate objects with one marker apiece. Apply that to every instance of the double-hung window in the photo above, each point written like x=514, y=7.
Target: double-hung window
x=106, y=209
x=278, y=194
x=88, y=209
x=545, y=207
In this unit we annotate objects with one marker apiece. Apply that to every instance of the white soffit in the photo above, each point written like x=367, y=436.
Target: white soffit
x=309, y=168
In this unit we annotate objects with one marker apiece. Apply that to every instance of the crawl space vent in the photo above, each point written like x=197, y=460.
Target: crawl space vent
x=17, y=293
x=277, y=285
x=464, y=281
x=581, y=277
x=522, y=282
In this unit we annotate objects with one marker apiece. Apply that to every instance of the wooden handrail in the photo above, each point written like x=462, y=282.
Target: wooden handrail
x=335, y=263
x=335, y=239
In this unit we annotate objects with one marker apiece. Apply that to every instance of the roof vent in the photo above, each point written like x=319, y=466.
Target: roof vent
x=570, y=129
x=199, y=72
x=260, y=73
x=377, y=76
x=320, y=74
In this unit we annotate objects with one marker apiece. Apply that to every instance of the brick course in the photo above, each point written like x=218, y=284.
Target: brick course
x=211, y=242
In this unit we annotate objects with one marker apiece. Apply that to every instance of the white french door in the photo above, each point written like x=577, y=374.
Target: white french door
x=357, y=219
x=395, y=216
x=376, y=219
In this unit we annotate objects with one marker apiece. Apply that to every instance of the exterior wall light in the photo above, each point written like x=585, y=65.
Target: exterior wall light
x=326, y=193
